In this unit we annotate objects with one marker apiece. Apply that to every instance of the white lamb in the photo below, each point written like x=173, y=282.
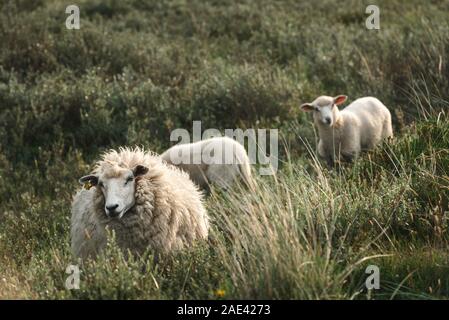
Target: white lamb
x=148, y=205
x=362, y=125
x=219, y=160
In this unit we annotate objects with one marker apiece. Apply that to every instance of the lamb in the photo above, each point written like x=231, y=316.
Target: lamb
x=219, y=160
x=147, y=204
x=362, y=125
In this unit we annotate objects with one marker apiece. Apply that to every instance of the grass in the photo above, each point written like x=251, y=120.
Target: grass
x=137, y=70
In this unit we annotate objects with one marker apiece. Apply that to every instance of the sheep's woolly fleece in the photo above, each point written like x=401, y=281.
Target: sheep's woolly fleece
x=362, y=125
x=168, y=213
x=218, y=171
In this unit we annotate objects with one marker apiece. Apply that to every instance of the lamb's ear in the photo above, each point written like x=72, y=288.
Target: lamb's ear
x=340, y=99
x=139, y=170
x=93, y=180
x=307, y=107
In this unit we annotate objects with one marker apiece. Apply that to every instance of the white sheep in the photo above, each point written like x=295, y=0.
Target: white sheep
x=362, y=125
x=146, y=203
x=219, y=160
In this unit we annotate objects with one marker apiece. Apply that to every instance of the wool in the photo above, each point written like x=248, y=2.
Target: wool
x=223, y=175
x=168, y=214
x=361, y=126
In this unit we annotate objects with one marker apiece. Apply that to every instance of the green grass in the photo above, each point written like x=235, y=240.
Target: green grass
x=138, y=69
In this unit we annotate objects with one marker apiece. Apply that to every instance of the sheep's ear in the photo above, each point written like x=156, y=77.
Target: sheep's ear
x=93, y=180
x=139, y=170
x=307, y=107
x=338, y=100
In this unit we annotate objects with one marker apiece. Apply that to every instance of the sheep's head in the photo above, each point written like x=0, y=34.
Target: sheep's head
x=325, y=109
x=118, y=186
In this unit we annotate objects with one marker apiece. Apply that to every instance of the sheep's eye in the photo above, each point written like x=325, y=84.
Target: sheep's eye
x=129, y=180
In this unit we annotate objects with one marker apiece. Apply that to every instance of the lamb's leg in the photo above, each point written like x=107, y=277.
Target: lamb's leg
x=387, y=130
x=349, y=157
x=330, y=162
x=351, y=146
x=328, y=158
x=222, y=175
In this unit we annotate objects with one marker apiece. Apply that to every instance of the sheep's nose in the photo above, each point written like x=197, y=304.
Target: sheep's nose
x=328, y=120
x=111, y=209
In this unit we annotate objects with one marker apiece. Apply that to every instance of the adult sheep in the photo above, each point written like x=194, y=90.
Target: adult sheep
x=362, y=125
x=145, y=202
x=219, y=160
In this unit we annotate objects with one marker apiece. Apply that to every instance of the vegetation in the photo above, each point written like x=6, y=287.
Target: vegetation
x=138, y=69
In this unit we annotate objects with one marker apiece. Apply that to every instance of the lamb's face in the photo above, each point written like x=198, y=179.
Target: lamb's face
x=118, y=187
x=324, y=109
x=324, y=114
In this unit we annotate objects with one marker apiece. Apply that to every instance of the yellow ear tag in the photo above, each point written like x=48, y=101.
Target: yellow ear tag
x=87, y=185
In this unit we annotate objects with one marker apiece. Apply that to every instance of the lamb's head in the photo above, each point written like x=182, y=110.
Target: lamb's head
x=325, y=109
x=118, y=186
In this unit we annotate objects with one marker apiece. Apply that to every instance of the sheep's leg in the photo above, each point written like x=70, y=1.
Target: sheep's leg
x=387, y=130
x=223, y=175
x=328, y=158
x=330, y=162
x=349, y=157
x=351, y=146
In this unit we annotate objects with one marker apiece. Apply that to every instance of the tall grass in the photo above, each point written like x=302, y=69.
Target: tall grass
x=305, y=233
